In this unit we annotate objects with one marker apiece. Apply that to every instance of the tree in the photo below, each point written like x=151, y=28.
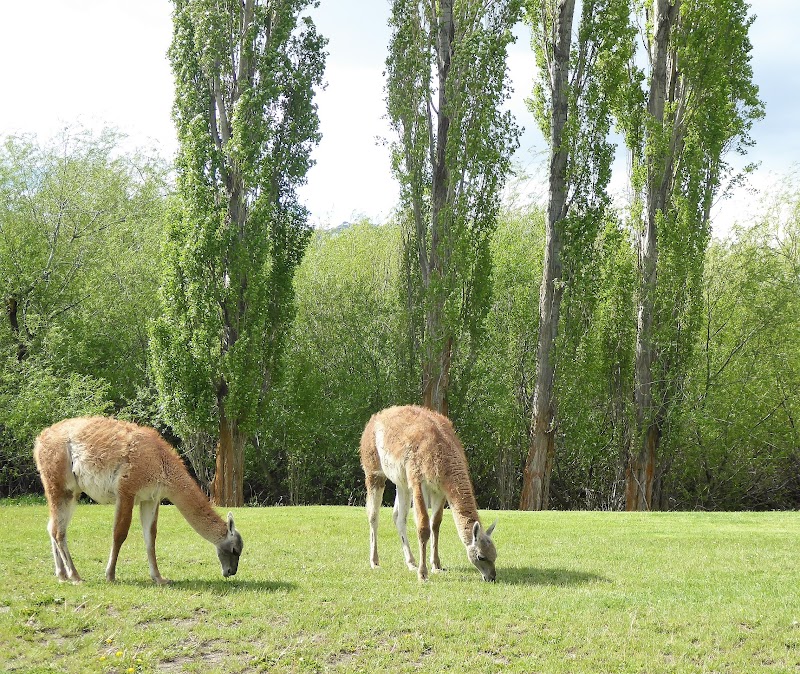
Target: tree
x=446, y=82
x=62, y=204
x=573, y=103
x=245, y=75
x=80, y=222
x=700, y=102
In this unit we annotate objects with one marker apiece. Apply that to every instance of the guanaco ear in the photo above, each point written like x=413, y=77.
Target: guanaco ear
x=491, y=528
x=231, y=528
x=476, y=531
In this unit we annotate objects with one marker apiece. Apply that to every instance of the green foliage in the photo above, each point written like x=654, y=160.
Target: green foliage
x=666, y=592
x=737, y=442
x=342, y=365
x=32, y=397
x=79, y=225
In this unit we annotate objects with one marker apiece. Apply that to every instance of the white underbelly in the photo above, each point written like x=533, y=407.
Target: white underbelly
x=151, y=493
x=102, y=484
x=393, y=467
x=101, y=487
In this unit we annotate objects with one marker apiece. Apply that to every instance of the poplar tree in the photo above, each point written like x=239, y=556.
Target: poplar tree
x=245, y=74
x=578, y=86
x=446, y=83
x=694, y=103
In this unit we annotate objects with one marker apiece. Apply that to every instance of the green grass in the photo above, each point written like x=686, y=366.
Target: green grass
x=576, y=592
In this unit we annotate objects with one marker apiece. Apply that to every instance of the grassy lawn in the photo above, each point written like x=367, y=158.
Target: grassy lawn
x=576, y=592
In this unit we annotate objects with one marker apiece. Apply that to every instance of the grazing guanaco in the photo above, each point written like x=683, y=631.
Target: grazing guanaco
x=418, y=450
x=119, y=462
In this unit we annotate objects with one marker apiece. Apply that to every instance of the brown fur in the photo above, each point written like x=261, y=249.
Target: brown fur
x=418, y=450
x=119, y=462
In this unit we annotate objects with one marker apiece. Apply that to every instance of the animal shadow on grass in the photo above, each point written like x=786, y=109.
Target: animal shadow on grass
x=222, y=586
x=536, y=576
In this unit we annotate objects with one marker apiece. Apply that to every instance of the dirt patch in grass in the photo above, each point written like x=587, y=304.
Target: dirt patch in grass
x=208, y=654
x=183, y=623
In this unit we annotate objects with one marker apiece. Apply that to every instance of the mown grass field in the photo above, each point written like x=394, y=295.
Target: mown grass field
x=576, y=592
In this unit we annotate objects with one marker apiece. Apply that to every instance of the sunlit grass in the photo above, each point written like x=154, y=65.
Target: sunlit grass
x=576, y=592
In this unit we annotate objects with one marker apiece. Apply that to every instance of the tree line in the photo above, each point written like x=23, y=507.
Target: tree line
x=590, y=355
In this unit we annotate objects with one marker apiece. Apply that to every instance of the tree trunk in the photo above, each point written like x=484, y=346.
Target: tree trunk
x=536, y=478
x=641, y=472
x=436, y=378
x=643, y=460
x=227, y=489
x=12, y=311
x=538, y=466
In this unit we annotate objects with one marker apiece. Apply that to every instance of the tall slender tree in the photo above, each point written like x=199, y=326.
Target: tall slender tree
x=698, y=102
x=245, y=74
x=446, y=83
x=573, y=102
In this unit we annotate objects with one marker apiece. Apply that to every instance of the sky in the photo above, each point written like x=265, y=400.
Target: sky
x=103, y=63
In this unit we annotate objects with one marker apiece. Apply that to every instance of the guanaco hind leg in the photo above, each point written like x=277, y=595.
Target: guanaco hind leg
x=62, y=506
x=402, y=503
x=375, y=487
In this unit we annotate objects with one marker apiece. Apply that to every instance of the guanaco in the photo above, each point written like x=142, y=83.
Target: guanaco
x=120, y=462
x=418, y=450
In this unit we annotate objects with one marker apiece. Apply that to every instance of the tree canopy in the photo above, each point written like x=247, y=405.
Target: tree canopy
x=245, y=77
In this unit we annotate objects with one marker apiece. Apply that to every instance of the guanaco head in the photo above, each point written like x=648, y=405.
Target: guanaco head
x=481, y=552
x=229, y=549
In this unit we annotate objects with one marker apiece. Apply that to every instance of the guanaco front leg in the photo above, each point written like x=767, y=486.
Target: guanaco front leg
x=122, y=524
x=148, y=514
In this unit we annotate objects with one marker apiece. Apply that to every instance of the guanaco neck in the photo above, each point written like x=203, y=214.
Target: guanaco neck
x=465, y=511
x=192, y=503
